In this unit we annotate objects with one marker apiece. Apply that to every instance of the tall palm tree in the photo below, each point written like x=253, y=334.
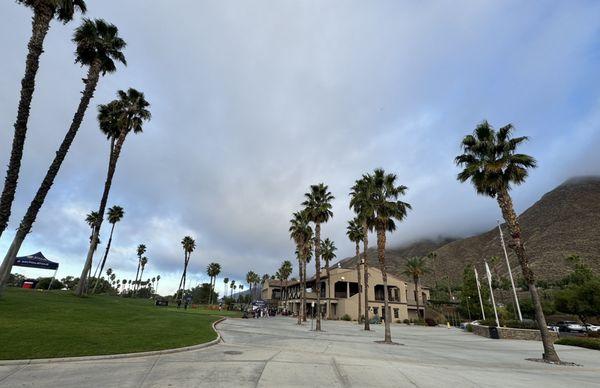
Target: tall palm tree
x=143, y=262
x=387, y=208
x=43, y=13
x=360, y=202
x=318, y=208
x=141, y=249
x=284, y=274
x=355, y=232
x=157, y=280
x=188, y=244
x=302, y=234
x=117, y=119
x=491, y=163
x=232, y=286
x=213, y=270
x=124, y=283
x=328, y=252
x=415, y=268
x=226, y=281
x=250, y=279
x=98, y=47
x=115, y=214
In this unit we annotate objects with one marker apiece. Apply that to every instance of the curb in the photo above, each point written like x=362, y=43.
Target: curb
x=117, y=356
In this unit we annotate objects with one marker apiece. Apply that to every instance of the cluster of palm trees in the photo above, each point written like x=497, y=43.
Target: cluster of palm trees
x=98, y=47
x=253, y=280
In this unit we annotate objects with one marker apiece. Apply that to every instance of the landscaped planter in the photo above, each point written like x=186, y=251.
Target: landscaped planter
x=511, y=333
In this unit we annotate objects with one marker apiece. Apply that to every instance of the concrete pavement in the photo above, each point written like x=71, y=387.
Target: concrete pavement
x=275, y=352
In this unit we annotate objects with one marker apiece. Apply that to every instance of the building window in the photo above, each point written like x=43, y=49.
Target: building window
x=396, y=315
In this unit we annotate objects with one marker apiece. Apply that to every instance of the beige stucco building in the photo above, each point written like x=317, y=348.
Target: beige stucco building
x=343, y=295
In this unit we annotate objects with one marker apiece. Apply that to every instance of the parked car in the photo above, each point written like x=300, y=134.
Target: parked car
x=592, y=328
x=464, y=325
x=553, y=328
x=570, y=327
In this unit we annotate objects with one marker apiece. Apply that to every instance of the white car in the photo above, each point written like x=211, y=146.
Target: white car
x=592, y=328
x=570, y=326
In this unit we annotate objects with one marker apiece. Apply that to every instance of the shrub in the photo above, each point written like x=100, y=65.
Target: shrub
x=419, y=322
x=398, y=321
x=430, y=322
x=589, y=343
x=593, y=334
x=406, y=321
x=346, y=317
x=470, y=328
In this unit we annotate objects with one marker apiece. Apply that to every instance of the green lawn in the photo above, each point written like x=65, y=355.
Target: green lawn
x=36, y=324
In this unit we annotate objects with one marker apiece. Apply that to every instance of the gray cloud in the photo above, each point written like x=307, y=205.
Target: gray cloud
x=253, y=102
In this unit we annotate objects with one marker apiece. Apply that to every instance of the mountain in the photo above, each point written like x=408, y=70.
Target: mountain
x=563, y=222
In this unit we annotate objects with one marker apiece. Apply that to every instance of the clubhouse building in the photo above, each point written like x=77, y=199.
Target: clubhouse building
x=342, y=298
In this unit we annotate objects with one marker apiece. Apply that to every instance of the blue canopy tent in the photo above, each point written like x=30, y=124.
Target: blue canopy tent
x=37, y=260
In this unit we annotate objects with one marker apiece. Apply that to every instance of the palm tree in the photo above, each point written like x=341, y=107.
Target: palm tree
x=328, y=252
x=491, y=163
x=251, y=279
x=143, y=262
x=415, y=268
x=284, y=273
x=213, y=270
x=302, y=234
x=115, y=214
x=318, y=208
x=124, y=283
x=360, y=202
x=226, y=281
x=141, y=249
x=117, y=119
x=355, y=232
x=43, y=13
x=157, y=280
x=188, y=244
x=387, y=208
x=232, y=287
x=98, y=47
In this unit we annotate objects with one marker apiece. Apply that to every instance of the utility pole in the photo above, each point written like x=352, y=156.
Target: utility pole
x=489, y=277
x=512, y=282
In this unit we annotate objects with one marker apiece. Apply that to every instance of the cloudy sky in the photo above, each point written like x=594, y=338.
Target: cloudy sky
x=254, y=101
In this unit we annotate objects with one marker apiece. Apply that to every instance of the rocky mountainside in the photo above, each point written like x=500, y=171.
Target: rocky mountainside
x=564, y=221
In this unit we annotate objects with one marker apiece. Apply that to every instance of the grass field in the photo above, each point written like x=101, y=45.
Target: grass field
x=37, y=324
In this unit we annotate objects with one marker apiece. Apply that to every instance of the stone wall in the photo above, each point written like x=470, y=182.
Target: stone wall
x=511, y=333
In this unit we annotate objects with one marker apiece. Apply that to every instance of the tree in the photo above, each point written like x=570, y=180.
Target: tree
x=355, y=233
x=386, y=208
x=232, y=286
x=318, y=210
x=203, y=294
x=491, y=163
x=157, y=280
x=141, y=249
x=117, y=119
x=226, y=281
x=143, y=263
x=469, y=296
x=98, y=47
x=328, y=252
x=284, y=273
x=581, y=299
x=250, y=279
x=115, y=214
x=188, y=244
x=360, y=202
x=43, y=13
x=416, y=267
x=302, y=234
x=213, y=270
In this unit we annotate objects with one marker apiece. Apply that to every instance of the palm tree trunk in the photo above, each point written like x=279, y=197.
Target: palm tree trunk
x=40, y=25
x=318, y=273
x=141, y=275
x=381, y=253
x=300, y=276
x=137, y=272
x=416, y=281
x=358, y=278
x=112, y=229
x=366, y=266
x=329, y=316
x=112, y=166
x=303, y=290
x=508, y=212
x=46, y=185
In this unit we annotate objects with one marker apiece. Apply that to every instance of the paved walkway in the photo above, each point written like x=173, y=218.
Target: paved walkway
x=277, y=353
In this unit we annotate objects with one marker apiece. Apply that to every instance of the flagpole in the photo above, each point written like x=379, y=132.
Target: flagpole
x=479, y=292
x=489, y=277
x=512, y=282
